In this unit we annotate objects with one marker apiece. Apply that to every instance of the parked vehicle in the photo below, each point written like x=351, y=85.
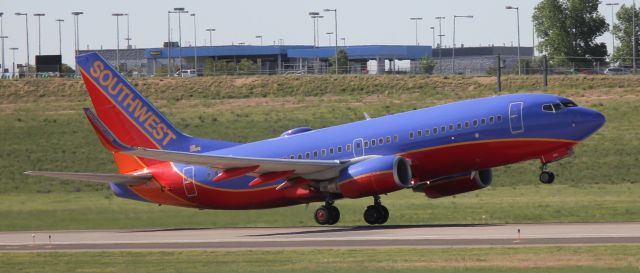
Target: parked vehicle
x=186, y=73
x=613, y=71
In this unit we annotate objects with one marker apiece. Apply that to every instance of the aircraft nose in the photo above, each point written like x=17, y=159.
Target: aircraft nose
x=591, y=120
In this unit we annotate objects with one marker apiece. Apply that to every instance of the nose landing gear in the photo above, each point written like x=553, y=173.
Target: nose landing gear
x=376, y=214
x=546, y=177
x=327, y=214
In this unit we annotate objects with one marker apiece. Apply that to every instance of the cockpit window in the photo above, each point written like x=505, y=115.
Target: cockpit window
x=547, y=108
x=557, y=106
x=568, y=103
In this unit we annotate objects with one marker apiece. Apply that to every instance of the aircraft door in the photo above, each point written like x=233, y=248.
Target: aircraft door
x=516, y=123
x=187, y=182
x=358, y=147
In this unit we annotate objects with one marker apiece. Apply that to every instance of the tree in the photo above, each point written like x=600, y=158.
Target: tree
x=568, y=30
x=67, y=70
x=343, y=61
x=427, y=65
x=623, y=31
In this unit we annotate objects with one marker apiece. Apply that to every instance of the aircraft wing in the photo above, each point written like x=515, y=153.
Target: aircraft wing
x=223, y=162
x=127, y=179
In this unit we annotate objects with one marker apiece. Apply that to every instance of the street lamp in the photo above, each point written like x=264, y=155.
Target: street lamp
x=117, y=15
x=195, y=44
x=613, y=38
x=259, y=37
x=433, y=39
x=344, y=41
x=329, y=35
x=60, y=35
x=39, y=44
x=453, y=50
x=416, y=19
x=518, y=19
x=76, y=32
x=440, y=35
x=179, y=11
x=13, y=66
x=211, y=30
x=26, y=21
x=314, y=17
x=128, y=39
x=3, y=37
x=335, y=17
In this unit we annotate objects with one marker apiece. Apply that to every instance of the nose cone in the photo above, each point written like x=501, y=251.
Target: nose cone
x=589, y=121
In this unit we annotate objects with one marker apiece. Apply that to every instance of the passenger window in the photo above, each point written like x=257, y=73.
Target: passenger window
x=483, y=121
x=443, y=129
x=331, y=151
x=475, y=123
x=380, y=141
x=324, y=152
x=349, y=147
x=373, y=142
x=315, y=154
x=499, y=118
x=307, y=155
x=339, y=149
x=299, y=156
x=292, y=157
x=491, y=120
x=466, y=124
x=435, y=130
x=396, y=138
x=427, y=132
x=366, y=144
x=411, y=135
x=388, y=139
x=419, y=133
x=459, y=125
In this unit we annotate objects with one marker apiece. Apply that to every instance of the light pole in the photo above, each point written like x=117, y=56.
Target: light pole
x=179, y=11
x=13, y=66
x=314, y=16
x=128, y=38
x=26, y=22
x=60, y=35
x=344, y=41
x=453, y=50
x=211, y=30
x=440, y=35
x=633, y=35
x=613, y=38
x=39, y=44
x=433, y=38
x=416, y=19
x=259, y=37
x=195, y=45
x=518, y=19
x=76, y=32
x=3, y=37
x=335, y=17
x=117, y=15
x=329, y=35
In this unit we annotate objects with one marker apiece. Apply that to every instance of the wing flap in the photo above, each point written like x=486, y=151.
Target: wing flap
x=126, y=179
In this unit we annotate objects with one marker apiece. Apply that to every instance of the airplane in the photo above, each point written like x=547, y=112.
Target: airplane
x=438, y=151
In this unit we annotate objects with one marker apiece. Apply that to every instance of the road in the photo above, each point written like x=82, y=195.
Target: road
x=326, y=237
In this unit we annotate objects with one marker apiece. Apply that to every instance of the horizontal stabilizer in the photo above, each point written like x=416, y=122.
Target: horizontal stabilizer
x=126, y=179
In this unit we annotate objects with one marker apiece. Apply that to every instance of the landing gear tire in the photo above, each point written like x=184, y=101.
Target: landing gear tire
x=327, y=215
x=376, y=215
x=547, y=177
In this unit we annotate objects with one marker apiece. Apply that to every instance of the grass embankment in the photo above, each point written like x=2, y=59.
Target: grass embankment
x=538, y=259
x=42, y=128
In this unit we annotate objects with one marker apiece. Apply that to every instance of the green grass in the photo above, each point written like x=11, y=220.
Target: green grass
x=521, y=204
x=536, y=259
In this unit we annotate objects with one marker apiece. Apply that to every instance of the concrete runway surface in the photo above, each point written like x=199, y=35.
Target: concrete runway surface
x=325, y=237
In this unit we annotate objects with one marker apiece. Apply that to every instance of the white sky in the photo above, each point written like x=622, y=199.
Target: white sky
x=361, y=22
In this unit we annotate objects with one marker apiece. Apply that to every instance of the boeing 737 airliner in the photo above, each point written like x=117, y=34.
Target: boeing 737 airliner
x=439, y=151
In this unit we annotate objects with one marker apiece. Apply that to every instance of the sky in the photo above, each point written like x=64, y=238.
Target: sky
x=360, y=22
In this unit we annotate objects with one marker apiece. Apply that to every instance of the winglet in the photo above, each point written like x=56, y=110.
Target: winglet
x=107, y=138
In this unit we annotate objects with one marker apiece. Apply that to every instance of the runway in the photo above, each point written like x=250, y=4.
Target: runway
x=325, y=237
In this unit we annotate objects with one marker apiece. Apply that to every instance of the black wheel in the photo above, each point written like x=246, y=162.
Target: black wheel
x=334, y=214
x=322, y=215
x=547, y=177
x=384, y=214
x=372, y=215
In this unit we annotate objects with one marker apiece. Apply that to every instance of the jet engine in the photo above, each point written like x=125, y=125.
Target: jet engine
x=456, y=184
x=375, y=176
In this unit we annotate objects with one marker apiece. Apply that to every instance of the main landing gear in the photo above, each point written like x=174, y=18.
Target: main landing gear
x=376, y=214
x=546, y=177
x=327, y=214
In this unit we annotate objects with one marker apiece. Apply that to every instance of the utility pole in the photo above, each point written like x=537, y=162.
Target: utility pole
x=128, y=37
x=60, y=35
x=39, y=39
x=195, y=45
x=440, y=35
x=335, y=16
x=518, y=18
x=2, y=37
x=613, y=38
x=117, y=15
x=26, y=22
x=416, y=19
x=76, y=32
x=453, y=51
x=211, y=30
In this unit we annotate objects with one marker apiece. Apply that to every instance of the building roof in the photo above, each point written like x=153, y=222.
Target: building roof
x=365, y=52
x=222, y=51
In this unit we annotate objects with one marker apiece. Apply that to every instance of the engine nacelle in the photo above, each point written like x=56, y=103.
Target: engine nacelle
x=458, y=184
x=375, y=176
